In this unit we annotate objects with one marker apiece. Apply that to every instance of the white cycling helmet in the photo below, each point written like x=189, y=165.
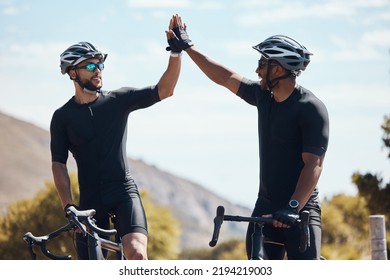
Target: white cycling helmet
x=78, y=53
x=286, y=51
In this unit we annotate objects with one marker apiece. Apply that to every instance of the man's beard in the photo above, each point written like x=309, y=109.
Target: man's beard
x=263, y=84
x=91, y=87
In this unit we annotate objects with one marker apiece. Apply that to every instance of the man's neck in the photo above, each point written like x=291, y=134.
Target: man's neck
x=283, y=90
x=83, y=97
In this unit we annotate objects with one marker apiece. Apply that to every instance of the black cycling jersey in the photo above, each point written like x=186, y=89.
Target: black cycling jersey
x=96, y=134
x=286, y=130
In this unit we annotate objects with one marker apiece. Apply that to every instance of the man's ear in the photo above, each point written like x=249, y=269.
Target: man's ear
x=280, y=69
x=72, y=74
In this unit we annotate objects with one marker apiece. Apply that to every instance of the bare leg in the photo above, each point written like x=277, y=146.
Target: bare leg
x=135, y=246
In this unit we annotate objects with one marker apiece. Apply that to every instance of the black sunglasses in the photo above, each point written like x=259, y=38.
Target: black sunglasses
x=91, y=67
x=261, y=63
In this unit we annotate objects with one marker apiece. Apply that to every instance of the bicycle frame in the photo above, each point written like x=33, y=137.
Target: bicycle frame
x=97, y=243
x=257, y=250
x=84, y=221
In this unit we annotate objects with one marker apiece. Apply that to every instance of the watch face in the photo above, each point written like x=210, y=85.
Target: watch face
x=293, y=203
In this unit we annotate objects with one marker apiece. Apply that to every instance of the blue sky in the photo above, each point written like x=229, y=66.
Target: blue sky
x=205, y=133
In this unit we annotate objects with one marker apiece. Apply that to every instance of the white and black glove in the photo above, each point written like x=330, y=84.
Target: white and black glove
x=286, y=215
x=180, y=42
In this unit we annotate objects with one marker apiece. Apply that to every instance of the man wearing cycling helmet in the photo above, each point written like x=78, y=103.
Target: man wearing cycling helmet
x=293, y=138
x=92, y=125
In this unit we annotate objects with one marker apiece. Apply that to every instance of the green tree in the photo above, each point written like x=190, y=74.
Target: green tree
x=40, y=215
x=345, y=228
x=164, y=231
x=372, y=188
x=386, y=133
x=43, y=214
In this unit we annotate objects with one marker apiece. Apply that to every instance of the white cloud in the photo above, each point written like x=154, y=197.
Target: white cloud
x=32, y=54
x=209, y=5
x=239, y=48
x=279, y=12
x=12, y=29
x=259, y=12
x=363, y=100
x=367, y=4
x=367, y=47
x=379, y=38
x=159, y=3
x=351, y=4
x=11, y=11
x=32, y=70
x=385, y=16
x=177, y=4
x=159, y=14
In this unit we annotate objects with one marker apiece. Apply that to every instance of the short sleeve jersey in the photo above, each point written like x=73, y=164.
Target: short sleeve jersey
x=286, y=130
x=95, y=133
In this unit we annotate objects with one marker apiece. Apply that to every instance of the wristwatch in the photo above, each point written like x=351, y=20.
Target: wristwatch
x=294, y=204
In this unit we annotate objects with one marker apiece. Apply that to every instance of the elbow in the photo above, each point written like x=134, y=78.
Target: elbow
x=170, y=93
x=165, y=93
x=58, y=167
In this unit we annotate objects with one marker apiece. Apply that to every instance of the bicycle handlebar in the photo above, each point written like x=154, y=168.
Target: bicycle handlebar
x=305, y=232
x=77, y=219
x=218, y=220
x=83, y=220
x=303, y=224
x=41, y=242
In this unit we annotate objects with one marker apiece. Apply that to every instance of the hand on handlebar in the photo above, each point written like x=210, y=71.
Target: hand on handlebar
x=286, y=216
x=70, y=213
x=67, y=209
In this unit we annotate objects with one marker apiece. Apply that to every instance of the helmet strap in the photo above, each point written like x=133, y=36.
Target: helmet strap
x=272, y=83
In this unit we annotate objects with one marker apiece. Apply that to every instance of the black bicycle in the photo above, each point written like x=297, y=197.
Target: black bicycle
x=257, y=250
x=82, y=220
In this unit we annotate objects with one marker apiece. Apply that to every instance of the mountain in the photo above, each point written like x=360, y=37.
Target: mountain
x=25, y=165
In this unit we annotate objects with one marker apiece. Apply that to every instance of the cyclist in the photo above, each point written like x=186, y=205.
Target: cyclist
x=93, y=126
x=293, y=138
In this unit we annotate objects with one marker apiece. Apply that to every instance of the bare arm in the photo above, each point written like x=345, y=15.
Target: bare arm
x=62, y=182
x=308, y=178
x=215, y=71
x=168, y=80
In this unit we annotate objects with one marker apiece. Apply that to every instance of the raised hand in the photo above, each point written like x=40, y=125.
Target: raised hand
x=171, y=38
x=180, y=40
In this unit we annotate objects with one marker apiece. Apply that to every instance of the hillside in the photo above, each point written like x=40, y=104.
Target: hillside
x=25, y=166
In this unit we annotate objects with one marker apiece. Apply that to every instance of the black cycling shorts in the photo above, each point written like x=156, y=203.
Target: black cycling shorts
x=129, y=218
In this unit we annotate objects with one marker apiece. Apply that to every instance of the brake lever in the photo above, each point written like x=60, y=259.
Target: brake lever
x=73, y=218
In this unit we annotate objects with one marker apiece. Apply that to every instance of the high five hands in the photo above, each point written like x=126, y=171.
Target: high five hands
x=177, y=36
